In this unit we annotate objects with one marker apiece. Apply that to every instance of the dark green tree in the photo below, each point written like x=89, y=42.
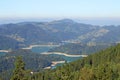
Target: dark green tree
x=19, y=71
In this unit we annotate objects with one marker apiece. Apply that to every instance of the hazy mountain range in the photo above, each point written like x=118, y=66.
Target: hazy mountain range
x=26, y=33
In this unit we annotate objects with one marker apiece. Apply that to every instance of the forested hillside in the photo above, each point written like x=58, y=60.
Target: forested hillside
x=33, y=61
x=80, y=48
x=104, y=65
x=8, y=43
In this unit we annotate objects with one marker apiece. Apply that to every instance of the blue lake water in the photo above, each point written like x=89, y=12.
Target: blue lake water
x=41, y=49
x=47, y=48
x=68, y=59
x=2, y=53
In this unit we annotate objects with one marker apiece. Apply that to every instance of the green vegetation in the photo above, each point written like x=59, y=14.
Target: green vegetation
x=19, y=72
x=34, y=62
x=104, y=65
x=8, y=43
x=79, y=48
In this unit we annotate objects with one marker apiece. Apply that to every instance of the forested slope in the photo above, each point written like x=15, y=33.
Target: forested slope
x=33, y=62
x=80, y=48
x=104, y=65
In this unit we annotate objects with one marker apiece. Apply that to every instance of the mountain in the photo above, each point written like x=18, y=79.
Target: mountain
x=85, y=32
x=75, y=38
x=8, y=43
x=65, y=30
x=27, y=33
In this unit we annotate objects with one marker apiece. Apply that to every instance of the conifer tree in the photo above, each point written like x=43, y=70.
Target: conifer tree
x=19, y=71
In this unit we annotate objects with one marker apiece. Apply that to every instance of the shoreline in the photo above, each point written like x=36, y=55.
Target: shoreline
x=64, y=54
x=31, y=46
x=4, y=51
x=54, y=63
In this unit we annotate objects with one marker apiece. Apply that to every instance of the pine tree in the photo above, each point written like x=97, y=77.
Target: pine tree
x=19, y=71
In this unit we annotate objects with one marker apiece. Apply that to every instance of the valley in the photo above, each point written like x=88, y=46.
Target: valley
x=50, y=46
x=59, y=40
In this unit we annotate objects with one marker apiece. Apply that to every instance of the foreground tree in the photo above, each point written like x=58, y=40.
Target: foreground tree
x=19, y=71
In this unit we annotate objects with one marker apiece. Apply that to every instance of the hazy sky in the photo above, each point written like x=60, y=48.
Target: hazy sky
x=60, y=8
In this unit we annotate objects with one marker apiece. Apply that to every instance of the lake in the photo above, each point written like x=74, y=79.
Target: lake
x=42, y=49
x=47, y=48
x=2, y=53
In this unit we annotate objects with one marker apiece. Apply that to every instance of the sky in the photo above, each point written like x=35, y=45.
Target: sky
x=86, y=9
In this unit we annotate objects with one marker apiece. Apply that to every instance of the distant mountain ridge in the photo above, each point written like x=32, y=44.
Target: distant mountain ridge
x=26, y=33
